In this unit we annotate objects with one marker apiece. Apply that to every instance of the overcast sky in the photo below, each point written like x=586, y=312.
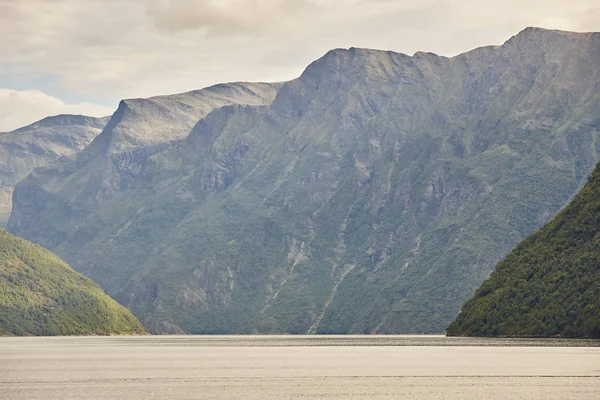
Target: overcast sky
x=83, y=56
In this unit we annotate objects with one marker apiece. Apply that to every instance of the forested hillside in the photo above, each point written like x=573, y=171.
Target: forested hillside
x=41, y=295
x=549, y=285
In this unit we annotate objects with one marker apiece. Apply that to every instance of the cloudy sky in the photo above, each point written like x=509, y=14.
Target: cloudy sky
x=83, y=56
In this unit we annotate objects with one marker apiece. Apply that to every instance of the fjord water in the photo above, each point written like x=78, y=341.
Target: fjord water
x=297, y=367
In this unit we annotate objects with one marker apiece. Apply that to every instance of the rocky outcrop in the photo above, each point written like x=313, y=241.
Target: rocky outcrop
x=373, y=195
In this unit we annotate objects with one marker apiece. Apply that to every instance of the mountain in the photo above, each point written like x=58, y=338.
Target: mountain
x=41, y=295
x=373, y=194
x=549, y=285
x=137, y=130
x=24, y=149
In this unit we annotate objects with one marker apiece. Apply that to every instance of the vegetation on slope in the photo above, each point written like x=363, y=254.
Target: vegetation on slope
x=549, y=285
x=41, y=295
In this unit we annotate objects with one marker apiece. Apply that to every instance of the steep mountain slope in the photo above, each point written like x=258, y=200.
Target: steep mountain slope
x=374, y=194
x=549, y=284
x=24, y=149
x=138, y=129
x=41, y=295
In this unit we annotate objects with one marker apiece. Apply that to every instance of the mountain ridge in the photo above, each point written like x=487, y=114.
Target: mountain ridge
x=63, y=119
x=373, y=194
x=136, y=131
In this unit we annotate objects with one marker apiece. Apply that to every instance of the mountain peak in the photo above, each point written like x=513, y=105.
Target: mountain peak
x=65, y=119
x=353, y=59
x=159, y=120
x=538, y=30
x=535, y=33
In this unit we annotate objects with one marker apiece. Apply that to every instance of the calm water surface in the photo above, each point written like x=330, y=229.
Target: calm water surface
x=297, y=367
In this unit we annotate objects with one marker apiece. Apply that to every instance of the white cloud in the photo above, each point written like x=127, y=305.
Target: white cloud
x=227, y=17
x=137, y=48
x=20, y=108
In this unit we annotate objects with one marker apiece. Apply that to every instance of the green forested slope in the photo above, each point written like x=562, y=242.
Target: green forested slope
x=41, y=295
x=550, y=284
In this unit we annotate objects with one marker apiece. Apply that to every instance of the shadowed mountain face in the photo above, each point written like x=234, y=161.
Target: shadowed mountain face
x=24, y=149
x=374, y=194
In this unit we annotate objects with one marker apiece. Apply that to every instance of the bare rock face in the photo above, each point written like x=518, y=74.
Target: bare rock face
x=373, y=194
x=24, y=149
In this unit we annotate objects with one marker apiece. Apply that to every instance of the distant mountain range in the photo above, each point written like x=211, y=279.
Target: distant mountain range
x=24, y=149
x=373, y=194
x=41, y=295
